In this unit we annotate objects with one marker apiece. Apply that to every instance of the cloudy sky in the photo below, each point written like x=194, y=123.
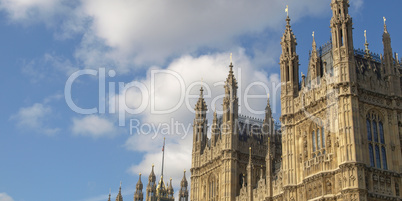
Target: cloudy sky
x=91, y=87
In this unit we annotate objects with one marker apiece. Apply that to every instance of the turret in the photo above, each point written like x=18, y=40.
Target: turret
x=138, y=195
x=230, y=105
x=268, y=124
x=314, y=69
x=200, y=124
x=214, y=130
x=250, y=178
x=342, y=42
x=268, y=171
x=390, y=63
x=388, y=60
x=170, y=190
x=289, y=63
x=151, y=187
x=183, y=193
x=119, y=197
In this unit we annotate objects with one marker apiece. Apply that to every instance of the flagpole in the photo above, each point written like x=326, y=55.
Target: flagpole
x=163, y=155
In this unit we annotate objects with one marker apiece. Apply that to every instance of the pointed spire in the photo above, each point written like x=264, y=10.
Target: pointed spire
x=314, y=43
x=385, y=24
x=183, y=193
x=170, y=190
x=287, y=16
x=388, y=60
x=110, y=194
x=139, y=183
x=366, y=44
x=249, y=159
x=119, y=197
x=201, y=105
x=138, y=195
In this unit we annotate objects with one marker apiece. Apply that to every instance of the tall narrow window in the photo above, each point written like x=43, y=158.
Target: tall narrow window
x=318, y=139
x=381, y=133
x=371, y=152
x=368, y=124
x=375, y=131
x=323, y=137
x=313, y=141
x=377, y=156
x=384, y=158
x=376, y=138
x=397, y=189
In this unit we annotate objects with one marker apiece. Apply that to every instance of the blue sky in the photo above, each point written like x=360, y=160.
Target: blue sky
x=50, y=152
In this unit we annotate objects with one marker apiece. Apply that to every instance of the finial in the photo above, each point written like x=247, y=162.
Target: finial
x=153, y=165
x=313, y=34
x=366, y=44
x=287, y=10
x=120, y=184
x=268, y=95
x=231, y=58
x=365, y=35
x=385, y=20
x=140, y=174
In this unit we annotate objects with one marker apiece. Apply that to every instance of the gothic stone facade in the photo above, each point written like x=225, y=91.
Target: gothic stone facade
x=341, y=131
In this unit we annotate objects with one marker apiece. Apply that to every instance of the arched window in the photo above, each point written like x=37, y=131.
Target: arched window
x=375, y=131
x=371, y=155
x=323, y=137
x=377, y=148
x=317, y=140
x=377, y=156
x=381, y=133
x=313, y=141
x=384, y=158
x=397, y=189
x=211, y=188
x=368, y=124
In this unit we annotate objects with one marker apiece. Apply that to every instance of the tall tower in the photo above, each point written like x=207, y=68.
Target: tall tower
x=229, y=131
x=289, y=62
x=138, y=195
x=183, y=193
x=199, y=141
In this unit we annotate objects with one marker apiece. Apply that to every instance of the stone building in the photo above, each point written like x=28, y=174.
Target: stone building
x=340, y=135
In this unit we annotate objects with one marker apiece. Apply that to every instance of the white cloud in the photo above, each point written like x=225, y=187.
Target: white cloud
x=5, y=197
x=35, y=118
x=29, y=11
x=140, y=32
x=93, y=126
x=124, y=34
